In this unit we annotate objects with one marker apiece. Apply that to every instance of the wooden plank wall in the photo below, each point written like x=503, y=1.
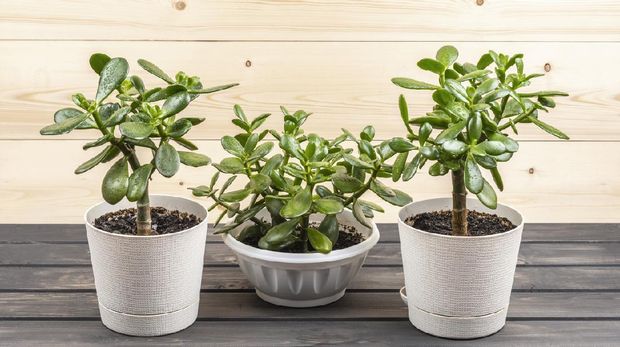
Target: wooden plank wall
x=331, y=57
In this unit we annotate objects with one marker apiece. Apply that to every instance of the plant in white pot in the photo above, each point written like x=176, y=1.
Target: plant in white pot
x=147, y=261
x=303, y=230
x=460, y=254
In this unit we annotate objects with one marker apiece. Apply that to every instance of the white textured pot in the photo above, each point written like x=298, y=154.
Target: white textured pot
x=148, y=285
x=458, y=286
x=302, y=280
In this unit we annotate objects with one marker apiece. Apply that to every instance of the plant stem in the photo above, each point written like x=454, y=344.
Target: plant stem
x=459, y=204
x=305, y=222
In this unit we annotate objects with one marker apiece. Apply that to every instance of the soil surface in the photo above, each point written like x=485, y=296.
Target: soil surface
x=163, y=221
x=478, y=223
x=348, y=237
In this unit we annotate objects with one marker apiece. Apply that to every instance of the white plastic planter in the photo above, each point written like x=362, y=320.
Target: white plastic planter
x=458, y=286
x=148, y=285
x=302, y=280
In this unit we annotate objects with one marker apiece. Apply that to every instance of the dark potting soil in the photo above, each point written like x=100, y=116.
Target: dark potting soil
x=478, y=223
x=163, y=221
x=348, y=237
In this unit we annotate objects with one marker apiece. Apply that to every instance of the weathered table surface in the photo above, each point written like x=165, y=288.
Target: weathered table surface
x=566, y=292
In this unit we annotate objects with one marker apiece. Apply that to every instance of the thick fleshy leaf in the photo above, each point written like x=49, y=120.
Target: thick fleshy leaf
x=487, y=196
x=431, y=65
x=329, y=227
x=457, y=90
x=451, y=132
x=425, y=131
x=232, y=146
x=447, y=55
x=65, y=113
x=117, y=116
x=138, y=182
x=484, y=61
x=232, y=165
x=411, y=168
x=235, y=195
x=186, y=143
x=65, y=126
x=399, y=166
x=298, y=205
x=497, y=178
x=280, y=233
x=193, y=159
x=115, y=182
x=167, y=160
x=111, y=77
x=136, y=130
x=155, y=70
x=92, y=162
x=400, y=198
x=548, y=128
x=510, y=144
x=98, y=142
x=473, y=177
x=328, y=206
x=165, y=93
x=319, y=241
x=260, y=151
x=357, y=162
x=212, y=89
x=400, y=145
x=98, y=61
x=259, y=182
x=138, y=84
x=473, y=75
x=413, y=84
x=474, y=128
x=404, y=109
x=175, y=104
x=454, y=147
x=487, y=86
x=271, y=164
x=179, y=128
x=381, y=189
x=346, y=183
x=492, y=147
x=358, y=213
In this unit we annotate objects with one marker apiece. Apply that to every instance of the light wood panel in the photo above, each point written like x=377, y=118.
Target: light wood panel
x=331, y=20
x=570, y=182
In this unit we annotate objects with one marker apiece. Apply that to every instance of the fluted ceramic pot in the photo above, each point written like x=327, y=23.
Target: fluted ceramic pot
x=148, y=285
x=302, y=280
x=458, y=286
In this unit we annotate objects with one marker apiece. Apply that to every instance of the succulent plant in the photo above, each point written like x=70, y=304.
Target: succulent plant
x=309, y=175
x=475, y=106
x=138, y=117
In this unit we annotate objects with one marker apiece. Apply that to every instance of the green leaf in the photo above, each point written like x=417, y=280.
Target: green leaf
x=543, y=93
x=155, y=70
x=65, y=113
x=457, y=90
x=259, y=182
x=454, y=147
x=92, y=162
x=201, y=191
x=381, y=189
x=232, y=146
x=429, y=152
x=175, y=104
x=431, y=65
x=193, y=159
x=328, y=206
x=487, y=86
x=115, y=182
x=231, y=165
x=117, y=117
x=165, y=93
x=98, y=142
x=400, y=198
x=319, y=242
x=485, y=60
x=179, y=128
x=400, y=145
x=98, y=61
x=212, y=89
x=167, y=160
x=425, y=131
x=298, y=205
x=548, y=128
x=329, y=227
x=260, y=151
x=138, y=84
x=450, y=133
x=510, y=144
x=411, y=168
x=474, y=128
x=346, y=183
x=235, y=195
x=473, y=177
x=111, y=77
x=486, y=161
x=136, y=130
x=195, y=120
x=487, y=196
x=443, y=97
x=404, y=110
x=64, y=126
x=399, y=166
x=497, y=178
x=437, y=169
x=138, y=182
x=357, y=162
x=492, y=147
x=358, y=213
x=409, y=83
x=447, y=55
x=186, y=143
x=271, y=164
x=281, y=232
x=473, y=75
x=291, y=146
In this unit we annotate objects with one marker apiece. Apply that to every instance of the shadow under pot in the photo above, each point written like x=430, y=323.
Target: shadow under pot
x=148, y=285
x=458, y=286
x=302, y=279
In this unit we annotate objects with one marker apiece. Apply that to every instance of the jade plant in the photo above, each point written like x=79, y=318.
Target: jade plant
x=136, y=117
x=308, y=175
x=475, y=106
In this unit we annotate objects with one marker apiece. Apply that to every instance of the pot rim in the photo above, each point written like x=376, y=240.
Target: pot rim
x=402, y=222
x=141, y=237
x=304, y=258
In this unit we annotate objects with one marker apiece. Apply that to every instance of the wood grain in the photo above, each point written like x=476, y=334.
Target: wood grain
x=366, y=20
x=345, y=84
x=310, y=333
x=38, y=185
x=373, y=278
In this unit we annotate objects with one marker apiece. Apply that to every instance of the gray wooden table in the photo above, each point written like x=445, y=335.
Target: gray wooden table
x=566, y=292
